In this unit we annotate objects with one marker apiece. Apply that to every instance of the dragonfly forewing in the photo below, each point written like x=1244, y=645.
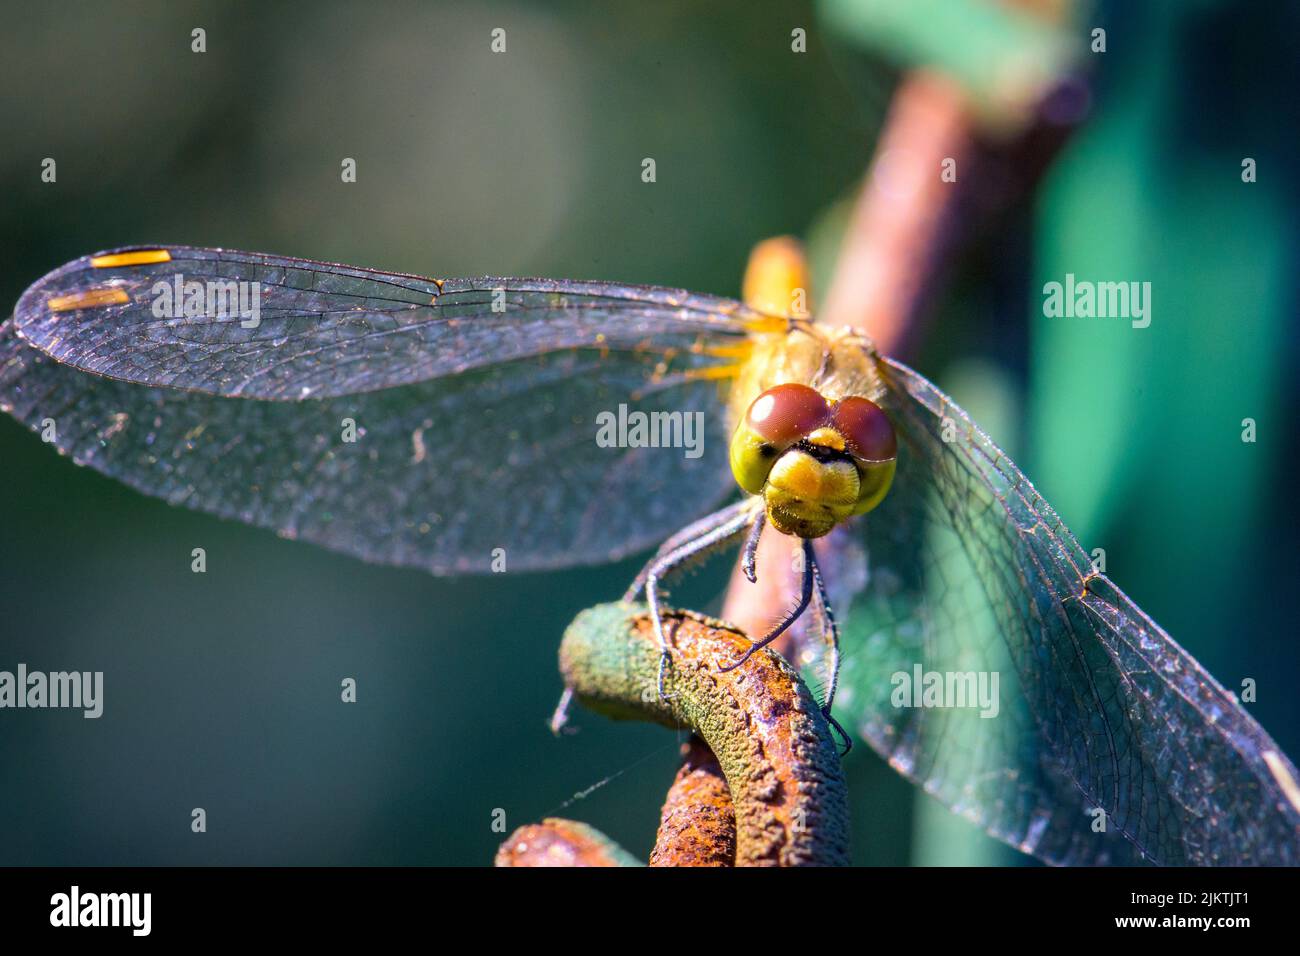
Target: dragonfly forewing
x=398, y=419
x=260, y=326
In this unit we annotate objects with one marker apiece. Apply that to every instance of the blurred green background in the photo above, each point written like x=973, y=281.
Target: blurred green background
x=222, y=689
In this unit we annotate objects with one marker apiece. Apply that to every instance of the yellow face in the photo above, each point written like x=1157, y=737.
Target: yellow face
x=815, y=463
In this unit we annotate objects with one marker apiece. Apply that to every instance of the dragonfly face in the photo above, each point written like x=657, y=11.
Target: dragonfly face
x=815, y=462
x=458, y=386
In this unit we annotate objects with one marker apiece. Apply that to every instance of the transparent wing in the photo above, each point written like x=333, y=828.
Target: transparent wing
x=462, y=446
x=183, y=317
x=1102, y=741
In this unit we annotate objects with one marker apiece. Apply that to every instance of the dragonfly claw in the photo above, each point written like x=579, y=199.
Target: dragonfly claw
x=665, y=658
x=839, y=731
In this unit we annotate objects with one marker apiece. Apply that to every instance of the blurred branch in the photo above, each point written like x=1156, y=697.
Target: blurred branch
x=1004, y=54
x=896, y=236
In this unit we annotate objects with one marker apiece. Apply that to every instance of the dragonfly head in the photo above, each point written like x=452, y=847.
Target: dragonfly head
x=814, y=462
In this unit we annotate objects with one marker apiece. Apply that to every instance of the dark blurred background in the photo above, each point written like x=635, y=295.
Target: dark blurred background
x=222, y=690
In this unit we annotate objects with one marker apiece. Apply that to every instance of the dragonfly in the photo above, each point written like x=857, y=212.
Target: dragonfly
x=229, y=382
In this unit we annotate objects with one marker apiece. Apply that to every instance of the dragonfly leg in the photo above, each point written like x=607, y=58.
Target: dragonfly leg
x=831, y=633
x=805, y=598
x=733, y=522
x=835, y=726
x=692, y=532
x=750, y=554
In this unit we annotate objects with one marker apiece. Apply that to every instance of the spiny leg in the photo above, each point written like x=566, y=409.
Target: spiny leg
x=830, y=632
x=718, y=538
x=835, y=726
x=691, y=532
x=804, y=598
x=749, y=556
x=695, y=531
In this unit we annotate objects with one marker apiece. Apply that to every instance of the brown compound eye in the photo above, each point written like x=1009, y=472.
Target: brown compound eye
x=786, y=413
x=868, y=433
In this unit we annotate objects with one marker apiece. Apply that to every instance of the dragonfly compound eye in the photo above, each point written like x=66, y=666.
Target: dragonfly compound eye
x=777, y=419
x=867, y=432
x=784, y=414
x=869, y=437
